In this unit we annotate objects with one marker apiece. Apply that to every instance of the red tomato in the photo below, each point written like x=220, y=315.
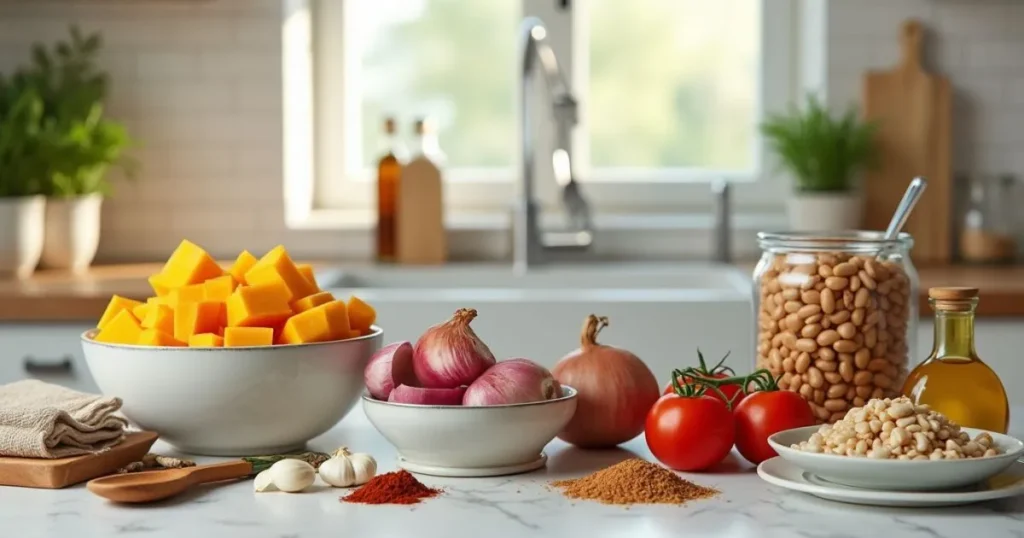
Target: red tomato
x=728, y=390
x=689, y=434
x=763, y=414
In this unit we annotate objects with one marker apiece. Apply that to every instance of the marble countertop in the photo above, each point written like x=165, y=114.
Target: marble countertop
x=494, y=507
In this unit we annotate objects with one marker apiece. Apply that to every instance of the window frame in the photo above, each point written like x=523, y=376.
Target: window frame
x=321, y=185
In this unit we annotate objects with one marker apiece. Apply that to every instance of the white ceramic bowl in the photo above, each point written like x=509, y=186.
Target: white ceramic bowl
x=897, y=475
x=239, y=401
x=448, y=440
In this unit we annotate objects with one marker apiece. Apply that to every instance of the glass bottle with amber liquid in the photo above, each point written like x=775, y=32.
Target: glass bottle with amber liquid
x=389, y=179
x=953, y=380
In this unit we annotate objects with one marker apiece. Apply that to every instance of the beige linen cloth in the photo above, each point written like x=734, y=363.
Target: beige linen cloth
x=41, y=420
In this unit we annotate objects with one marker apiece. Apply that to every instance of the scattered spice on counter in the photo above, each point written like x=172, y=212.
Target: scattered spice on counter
x=634, y=481
x=398, y=487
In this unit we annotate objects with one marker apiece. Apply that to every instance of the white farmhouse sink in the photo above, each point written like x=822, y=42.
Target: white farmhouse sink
x=662, y=312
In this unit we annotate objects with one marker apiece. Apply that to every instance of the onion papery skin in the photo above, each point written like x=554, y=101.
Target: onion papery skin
x=450, y=354
x=512, y=381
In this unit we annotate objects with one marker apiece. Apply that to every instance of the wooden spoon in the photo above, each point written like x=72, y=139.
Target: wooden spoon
x=151, y=486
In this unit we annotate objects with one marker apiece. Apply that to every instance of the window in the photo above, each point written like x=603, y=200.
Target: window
x=670, y=94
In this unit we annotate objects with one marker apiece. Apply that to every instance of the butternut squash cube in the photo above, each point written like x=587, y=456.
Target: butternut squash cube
x=189, y=264
x=219, y=288
x=307, y=327
x=161, y=318
x=192, y=293
x=311, y=301
x=338, y=319
x=307, y=271
x=248, y=336
x=205, y=340
x=257, y=306
x=243, y=263
x=159, y=284
x=277, y=266
x=122, y=329
x=115, y=306
x=196, y=318
x=360, y=315
x=154, y=337
x=140, y=312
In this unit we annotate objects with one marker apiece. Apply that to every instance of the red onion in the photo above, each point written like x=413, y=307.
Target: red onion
x=421, y=396
x=450, y=354
x=510, y=382
x=615, y=391
x=389, y=367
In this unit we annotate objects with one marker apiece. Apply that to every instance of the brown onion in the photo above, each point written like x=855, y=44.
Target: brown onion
x=616, y=390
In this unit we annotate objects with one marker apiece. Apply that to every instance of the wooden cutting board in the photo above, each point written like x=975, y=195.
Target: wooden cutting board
x=914, y=109
x=63, y=472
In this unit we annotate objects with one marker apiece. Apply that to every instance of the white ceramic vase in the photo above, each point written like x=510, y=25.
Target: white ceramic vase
x=817, y=212
x=72, y=232
x=22, y=220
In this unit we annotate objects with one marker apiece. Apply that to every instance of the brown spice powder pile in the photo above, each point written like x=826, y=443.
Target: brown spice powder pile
x=634, y=481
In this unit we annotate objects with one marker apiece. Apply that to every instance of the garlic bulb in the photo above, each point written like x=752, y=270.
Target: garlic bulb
x=346, y=469
x=291, y=475
x=263, y=481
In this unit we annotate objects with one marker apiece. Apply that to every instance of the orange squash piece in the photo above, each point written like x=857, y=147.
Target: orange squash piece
x=308, y=327
x=257, y=306
x=161, y=318
x=248, y=336
x=189, y=264
x=219, y=288
x=311, y=301
x=192, y=293
x=205, y=340
x=196, y=318
x=115, y=306
x=154, y=337
x=277, y=266
x=141, y=311
x=123, y=328
x=338, y=318
x=360, y=314
x=243, y=263
x=307, y=271
x=159, y=284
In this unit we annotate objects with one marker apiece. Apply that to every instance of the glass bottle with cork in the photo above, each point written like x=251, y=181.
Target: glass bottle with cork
x=953, y=380
x=389, y=176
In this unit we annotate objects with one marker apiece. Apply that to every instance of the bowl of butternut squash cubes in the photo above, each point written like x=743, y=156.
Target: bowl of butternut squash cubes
x=239, y=359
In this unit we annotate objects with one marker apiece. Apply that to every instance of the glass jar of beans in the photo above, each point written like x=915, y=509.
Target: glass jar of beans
x=836, y=316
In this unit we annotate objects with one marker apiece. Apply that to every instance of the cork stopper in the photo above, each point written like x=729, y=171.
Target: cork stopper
x=390, y=126
x=424, y=126
x=953, y=298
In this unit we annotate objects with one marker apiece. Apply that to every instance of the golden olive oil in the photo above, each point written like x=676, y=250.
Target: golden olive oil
x=953, y=380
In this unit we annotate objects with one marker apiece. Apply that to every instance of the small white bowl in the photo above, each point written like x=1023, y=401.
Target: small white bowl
x=451, y=440
x=897, y=475
x=237, y=401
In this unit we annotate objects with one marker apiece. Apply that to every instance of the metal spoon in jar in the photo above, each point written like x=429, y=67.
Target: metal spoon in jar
x=910, y=198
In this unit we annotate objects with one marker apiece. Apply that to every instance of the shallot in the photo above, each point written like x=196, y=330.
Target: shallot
x=389, y=367
x=510, y=382
x=450, y=354
x=615, y=390
x=423, y=396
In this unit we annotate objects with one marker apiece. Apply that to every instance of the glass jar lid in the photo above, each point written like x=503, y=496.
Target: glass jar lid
x=842, y=241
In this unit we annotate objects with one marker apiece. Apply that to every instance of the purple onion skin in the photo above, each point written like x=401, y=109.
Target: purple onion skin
x=450, y=354
x=388, y=368
x=421, y=396
x=512, y=381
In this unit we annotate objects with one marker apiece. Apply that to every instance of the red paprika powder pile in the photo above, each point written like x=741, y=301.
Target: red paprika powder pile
x=399, y=487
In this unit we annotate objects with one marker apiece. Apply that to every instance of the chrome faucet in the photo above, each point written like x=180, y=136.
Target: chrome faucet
x=529, y=243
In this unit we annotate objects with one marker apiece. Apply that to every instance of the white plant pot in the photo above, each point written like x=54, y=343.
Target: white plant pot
x=72, y=232
x=21, y=234
x=815, y=212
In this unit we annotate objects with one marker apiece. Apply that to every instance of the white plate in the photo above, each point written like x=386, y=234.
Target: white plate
x=898, y=475
x=472, y=472
x=782, y=473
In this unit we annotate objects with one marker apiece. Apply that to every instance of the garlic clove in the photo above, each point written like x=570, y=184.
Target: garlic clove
x=292, y=475
x=364, y=467
x=263, y=481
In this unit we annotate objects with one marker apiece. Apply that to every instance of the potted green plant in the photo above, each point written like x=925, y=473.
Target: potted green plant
x=825, y=156
x=22, y=203
x=78, y=143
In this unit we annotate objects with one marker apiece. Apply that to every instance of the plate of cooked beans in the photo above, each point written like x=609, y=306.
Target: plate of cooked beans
x=895, y=445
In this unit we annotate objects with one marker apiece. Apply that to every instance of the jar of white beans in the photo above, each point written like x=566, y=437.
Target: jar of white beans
x=836, y=316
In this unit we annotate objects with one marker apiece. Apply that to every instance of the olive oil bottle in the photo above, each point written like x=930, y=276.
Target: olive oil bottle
x=953, y=380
